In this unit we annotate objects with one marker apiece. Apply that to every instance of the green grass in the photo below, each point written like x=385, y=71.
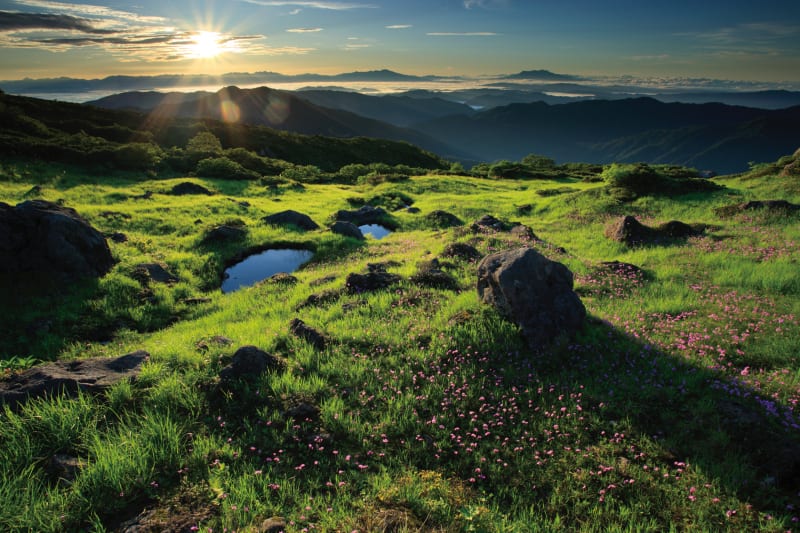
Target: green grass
x=671, y=410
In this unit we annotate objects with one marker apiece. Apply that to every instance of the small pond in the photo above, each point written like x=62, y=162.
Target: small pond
x=261, y=266
x=376, y=230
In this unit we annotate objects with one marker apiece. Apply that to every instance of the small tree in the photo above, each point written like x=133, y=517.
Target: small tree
x=204, y=144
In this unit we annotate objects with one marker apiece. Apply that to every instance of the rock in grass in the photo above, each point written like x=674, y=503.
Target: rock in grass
x=92, y=375
x=276, y=524
x=42, y=238
x=533, y=292
x=250, y=362
x=430, y=274
x=375, y=279
x=291, y=218
x=631, y=232
x=187, y=187
x=364, y=215
x=442, y=219
x=224, y=233
x=299, y=329
x=462, y=251
x=154, y=272
x=348, y=229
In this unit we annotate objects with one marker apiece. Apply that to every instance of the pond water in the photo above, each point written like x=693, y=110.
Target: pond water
x=376, y=230
x=261, y=266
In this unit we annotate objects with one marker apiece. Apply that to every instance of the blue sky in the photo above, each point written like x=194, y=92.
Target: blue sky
x=737, y=40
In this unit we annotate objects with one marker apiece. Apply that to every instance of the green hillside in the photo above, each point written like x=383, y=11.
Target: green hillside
x=674, y=408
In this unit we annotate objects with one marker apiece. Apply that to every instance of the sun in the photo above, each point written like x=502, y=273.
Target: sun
x=204, y=45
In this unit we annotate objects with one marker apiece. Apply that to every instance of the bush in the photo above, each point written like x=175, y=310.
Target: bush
x=303, y=174
x=626, y=182
x=224, y=168
x=137, y=156
x=256, y=163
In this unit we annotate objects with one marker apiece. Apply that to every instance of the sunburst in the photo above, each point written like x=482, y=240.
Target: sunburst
x=204, y=45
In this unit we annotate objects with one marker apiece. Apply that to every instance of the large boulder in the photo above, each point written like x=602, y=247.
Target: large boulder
x=291, y=218
x=532, y=291
x=41, y=237
x=187, y=187
x=249, y=362
x=631, y=232
x=92, y=375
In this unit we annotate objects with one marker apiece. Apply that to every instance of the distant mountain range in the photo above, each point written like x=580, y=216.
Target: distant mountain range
x=715, y=137
x=282, y=110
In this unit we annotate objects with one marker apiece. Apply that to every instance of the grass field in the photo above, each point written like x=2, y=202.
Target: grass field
x=675, y=408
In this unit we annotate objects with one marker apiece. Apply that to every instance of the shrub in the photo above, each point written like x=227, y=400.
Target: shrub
x=626, y=182
x=138, y=156
x=222, y=167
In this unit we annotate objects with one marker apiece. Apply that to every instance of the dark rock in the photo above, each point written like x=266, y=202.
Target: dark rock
x=281, y=278
x=630, y=231
x=382, y=266
x=154, y=272
x=118, y=237
x=43, y=238
x=114, y=214
x=321, y=298
x=348, y=229
x=276, y=524
x=36, y=190
x=430, y=274
x=372, y=281
x=299, y=329
x=302, y=412
x=771, y=205
x=532, y=291
x=523, y=232
x=675, y=229
x=412, y=210
x=92, y=375
x=63, y=468
x=224, y=233
x=489, y=223
x=147, y=195
x=364, y=215
x=524, y=209
x=462, y=251
x=188, y=187
x=250, y=362
x=291, y=218
x=322, y=281
x=442, y=219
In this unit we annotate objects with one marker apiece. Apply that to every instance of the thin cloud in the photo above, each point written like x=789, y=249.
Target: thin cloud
x=88, y=10
x=471, y=4
x=46, y=21
x=399, y=27
x=304, y=30
x=462, y=34
x=333, y=6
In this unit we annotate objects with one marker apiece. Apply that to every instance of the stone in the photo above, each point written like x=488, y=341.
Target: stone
x=154, y=272
x=462, y=251
x=299, y=329
x=523, y=233
x=250, y=362
x=281, y=278
x=630, y=231
x=771, y=205
x=276, y=524
x=42, y=238
x=675, y=229
x=371, y=281
x=291, y=218
x=623, y=269
x=188, y=187
x=430, y=274
x=533, y=292
x=442, y=219
x=118, y=237
x=364, y=215
x=348, y=229
x=302, y=412
x=224, y=233
x=93, y=375
x=489, y=223
x=322, y=298
x=63, y=468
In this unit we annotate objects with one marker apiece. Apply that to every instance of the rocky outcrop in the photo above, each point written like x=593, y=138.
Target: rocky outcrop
x=631, y=232
x=187, y=187
x=442, y=220
x=301, y=330
x=224, y=233
x=291, y=218
x=348, y=229
x=364, y=215
x=249, y=363
x=462, y=251
x=533, y=292
x=92, y=375
x=431, y=274
x=147, y=272
x=42, y=238
x=375, y=279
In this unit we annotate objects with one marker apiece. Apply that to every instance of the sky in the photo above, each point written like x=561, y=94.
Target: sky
x=731, y=40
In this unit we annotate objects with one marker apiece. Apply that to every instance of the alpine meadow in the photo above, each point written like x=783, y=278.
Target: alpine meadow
x=382, y=302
